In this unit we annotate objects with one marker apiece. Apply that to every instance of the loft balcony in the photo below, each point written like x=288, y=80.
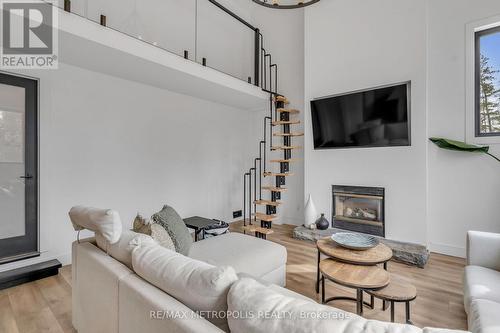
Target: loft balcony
x=119, y=49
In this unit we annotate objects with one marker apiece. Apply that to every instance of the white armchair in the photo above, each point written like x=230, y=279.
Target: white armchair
x=483, y=249
x=482, y=282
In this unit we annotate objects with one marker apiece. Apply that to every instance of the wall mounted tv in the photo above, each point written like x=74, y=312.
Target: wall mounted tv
x=378, y=117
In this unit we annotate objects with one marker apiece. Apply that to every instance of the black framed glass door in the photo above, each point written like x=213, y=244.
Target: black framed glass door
x=18, y=167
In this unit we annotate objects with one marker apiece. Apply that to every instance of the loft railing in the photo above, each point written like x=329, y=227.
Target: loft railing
x=203, y=31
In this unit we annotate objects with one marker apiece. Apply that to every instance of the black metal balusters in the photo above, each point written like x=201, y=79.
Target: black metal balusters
x=250, y=196
x=257, y=57
x=67, y=6
x=244, y=197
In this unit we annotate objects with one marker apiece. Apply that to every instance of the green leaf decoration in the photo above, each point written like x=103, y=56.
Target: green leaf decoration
x=461, y=146
x=458, y=145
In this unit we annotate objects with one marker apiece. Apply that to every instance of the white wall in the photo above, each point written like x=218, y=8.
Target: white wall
x=464, y=189
x=108, y=142
x=354, y=44
x=433, y=196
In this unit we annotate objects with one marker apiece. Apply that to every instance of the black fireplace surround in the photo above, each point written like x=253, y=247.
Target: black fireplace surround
x=359, y=209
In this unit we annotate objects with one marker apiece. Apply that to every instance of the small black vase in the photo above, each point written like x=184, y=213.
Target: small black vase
x=322, y=223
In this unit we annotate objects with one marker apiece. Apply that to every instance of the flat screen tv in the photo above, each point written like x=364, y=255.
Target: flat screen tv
x=378, y=117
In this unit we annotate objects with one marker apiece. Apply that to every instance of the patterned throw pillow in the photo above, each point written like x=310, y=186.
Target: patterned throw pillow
x=161, y=235
x=176, y=228
x=156, y=231
x=141, y=226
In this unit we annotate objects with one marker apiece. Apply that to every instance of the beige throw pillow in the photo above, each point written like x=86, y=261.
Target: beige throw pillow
x=141, y=226
x=198, y=285
x=156, y=231
x=121, y=250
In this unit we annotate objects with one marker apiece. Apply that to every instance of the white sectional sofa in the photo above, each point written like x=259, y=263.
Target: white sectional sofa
x=109, y=297
x=482, y=282
x=124, y=282
x=248, y=255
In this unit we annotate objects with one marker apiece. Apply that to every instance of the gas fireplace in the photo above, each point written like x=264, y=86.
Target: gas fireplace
x=359, y=209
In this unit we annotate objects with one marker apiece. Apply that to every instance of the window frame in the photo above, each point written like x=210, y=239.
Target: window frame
x=470, y=82
x=477, y=74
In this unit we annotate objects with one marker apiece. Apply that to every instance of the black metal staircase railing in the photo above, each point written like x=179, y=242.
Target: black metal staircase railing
x=265, y=77
x=277, y=103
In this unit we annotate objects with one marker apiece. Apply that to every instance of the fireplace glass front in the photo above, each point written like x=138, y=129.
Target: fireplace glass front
x=360, y=209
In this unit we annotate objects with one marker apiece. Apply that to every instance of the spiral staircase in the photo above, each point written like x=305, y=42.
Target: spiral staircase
x=261, y=201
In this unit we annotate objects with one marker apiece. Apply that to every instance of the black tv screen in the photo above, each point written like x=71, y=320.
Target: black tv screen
x=370, y=118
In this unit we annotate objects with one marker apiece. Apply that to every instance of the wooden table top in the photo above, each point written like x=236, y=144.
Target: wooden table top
x=376, y=255
x=354, y=276
x=399, y=289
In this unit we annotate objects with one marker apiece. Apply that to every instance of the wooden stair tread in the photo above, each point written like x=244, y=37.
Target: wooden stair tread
x=281, y=99
x=285, y=122
x=286, y=174
x=267, y=202
x=285, y=147
x=265, y=217
x=289, y=134
x=274, y=189
x=254, y=228
x=291, y=111
x=285, y=161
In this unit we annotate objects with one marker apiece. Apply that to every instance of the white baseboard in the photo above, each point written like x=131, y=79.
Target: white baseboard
x=291, y=220
x=449, y=250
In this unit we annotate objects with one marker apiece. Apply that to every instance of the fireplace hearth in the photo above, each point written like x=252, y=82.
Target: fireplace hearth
x=359, y=208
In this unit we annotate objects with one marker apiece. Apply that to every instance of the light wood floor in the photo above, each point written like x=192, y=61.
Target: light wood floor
x=40, y=306
x=45, y=305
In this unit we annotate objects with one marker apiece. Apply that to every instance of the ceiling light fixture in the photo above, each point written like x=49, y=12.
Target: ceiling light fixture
x=284, y=4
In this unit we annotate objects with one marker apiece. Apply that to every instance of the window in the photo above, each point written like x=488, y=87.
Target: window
x=487, y=82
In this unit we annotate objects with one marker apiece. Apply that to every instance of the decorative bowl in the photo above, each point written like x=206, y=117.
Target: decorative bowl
x=354, y=241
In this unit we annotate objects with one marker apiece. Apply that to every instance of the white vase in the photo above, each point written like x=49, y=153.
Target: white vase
x=311, y=215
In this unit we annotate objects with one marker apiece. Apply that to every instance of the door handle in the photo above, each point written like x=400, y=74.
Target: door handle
x=26, y=177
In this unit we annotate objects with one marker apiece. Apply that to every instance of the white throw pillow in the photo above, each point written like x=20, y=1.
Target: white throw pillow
x=198, y=285
x=121, y=250
x=107, y=222
x=259, y=304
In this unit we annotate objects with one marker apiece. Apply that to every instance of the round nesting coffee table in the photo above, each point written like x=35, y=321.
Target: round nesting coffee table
x=398, y=291
x=379, y=254
x=361, y=278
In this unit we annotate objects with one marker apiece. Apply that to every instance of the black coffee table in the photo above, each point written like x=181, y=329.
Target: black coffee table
x=199, y=224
